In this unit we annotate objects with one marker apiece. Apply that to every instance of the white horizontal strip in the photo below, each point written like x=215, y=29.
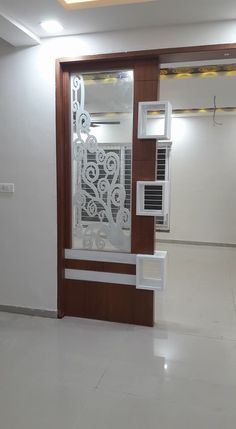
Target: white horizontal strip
x=196, y=243
x=96, y=276
x=153, y=285
x=93, y=255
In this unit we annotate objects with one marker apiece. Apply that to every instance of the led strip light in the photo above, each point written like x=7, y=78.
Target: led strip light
x=86, y=4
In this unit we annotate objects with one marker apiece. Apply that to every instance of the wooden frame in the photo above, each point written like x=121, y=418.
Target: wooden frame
x=164, y=55
x=145, y=89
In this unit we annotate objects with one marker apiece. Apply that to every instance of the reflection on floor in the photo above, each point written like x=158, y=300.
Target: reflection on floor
x=79, y=374
x=200, y=297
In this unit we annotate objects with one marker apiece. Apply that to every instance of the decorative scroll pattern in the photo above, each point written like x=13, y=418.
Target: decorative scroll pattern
x=96, y=189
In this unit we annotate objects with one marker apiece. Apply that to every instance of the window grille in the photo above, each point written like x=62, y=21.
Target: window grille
x=163, y=173
x=124, y=154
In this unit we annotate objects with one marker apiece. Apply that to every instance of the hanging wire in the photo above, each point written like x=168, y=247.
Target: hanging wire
x=214, y=114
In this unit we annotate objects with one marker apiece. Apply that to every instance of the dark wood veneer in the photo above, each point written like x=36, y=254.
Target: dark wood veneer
x=144, y=155
x=112, y=302
x=106, y=267
x=164, y=55
x=60, y=191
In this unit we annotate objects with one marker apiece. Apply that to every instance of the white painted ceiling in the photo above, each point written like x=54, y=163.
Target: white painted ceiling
x=30, y=13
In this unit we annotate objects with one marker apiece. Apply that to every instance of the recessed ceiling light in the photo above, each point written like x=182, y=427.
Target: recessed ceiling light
x=83, y=4
x=52, y=26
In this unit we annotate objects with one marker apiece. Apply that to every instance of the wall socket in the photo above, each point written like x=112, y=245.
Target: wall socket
x=7, y=188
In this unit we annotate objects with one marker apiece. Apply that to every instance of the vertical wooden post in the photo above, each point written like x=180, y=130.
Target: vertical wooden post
x=146, y=88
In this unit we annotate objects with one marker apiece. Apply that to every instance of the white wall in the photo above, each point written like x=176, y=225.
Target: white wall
x=27, y=158
x=203, y=161
x=28, y=243
x=203, y=180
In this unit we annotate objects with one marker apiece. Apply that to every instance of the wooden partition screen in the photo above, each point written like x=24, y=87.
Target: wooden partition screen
x=97, y=299
x=109, y=300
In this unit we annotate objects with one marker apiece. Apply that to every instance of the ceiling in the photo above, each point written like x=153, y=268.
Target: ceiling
x=29, y=14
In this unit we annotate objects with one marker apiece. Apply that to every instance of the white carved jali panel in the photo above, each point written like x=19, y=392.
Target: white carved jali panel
x=99, y=195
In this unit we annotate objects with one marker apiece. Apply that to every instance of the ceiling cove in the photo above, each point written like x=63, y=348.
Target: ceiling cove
x=15, y=33
x=86, y=4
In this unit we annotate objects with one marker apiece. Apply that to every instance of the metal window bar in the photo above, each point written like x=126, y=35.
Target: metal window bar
x=162, y=162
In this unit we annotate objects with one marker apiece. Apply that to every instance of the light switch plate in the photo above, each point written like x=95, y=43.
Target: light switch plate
x=7, y=188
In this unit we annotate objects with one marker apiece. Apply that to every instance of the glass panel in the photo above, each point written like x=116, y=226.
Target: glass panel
x=101, y=132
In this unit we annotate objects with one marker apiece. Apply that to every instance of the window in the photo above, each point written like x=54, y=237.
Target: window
x=124, y=153
x=163, y=170
x=101, y=215
x=152, y=198
x=163, y=173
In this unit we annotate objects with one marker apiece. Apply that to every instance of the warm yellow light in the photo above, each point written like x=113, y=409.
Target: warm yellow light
x=155, y=113
x=110, y=79
x=83, y=4
x=163, y=74
x=183, y=75
x=231, y=73
x=75, y=1
x=111, y=114
x=89, y=82
x=209, y=74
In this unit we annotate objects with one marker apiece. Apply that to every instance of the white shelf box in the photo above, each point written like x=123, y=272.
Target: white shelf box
x=151, y=271
x=152, y=198
x=154, y=120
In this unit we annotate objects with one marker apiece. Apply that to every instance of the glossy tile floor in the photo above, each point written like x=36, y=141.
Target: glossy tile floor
x=78, y=374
